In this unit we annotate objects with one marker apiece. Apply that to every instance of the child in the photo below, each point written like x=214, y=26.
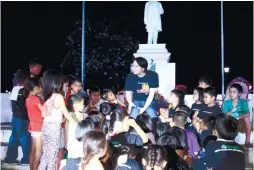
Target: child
x=198, y=97
x=94, y=146
x=161, y=128
x=82, y=128
x=95, y=100
x=205, y=127
x=75, y=88
x=199, y=105
x=119, y=124
x=109, y=96
x=20, y=135
x=65, y=87
x=209, y=99
x=204, y=82
x=154, y=157
x=176, y=98
x=224, y=153
x=34, y=108
x=75, y=107
x=239, y=109
x=35, y=67
x=180, y=120
x=53, y=111
x=208, y=140
x=64, y=90
x=146, y=124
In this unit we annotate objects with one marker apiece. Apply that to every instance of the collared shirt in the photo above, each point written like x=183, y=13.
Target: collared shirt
x=242, y=107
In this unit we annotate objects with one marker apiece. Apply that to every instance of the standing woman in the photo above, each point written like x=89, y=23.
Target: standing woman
x=53, y=111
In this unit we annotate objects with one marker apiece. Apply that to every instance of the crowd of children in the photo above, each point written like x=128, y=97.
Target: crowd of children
x=61, y=126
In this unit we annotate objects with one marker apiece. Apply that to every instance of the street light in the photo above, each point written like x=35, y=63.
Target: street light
x=226, y=69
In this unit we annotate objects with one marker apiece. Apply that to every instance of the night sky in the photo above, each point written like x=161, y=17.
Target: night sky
x=191, y=31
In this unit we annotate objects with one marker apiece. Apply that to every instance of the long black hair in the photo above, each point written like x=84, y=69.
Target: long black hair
x=154, y=155
x=181, y=137
x=51, y=83
x=73, y=100
x=116, y=115
x=145, y=123
x=200, y=93
x=180, y=95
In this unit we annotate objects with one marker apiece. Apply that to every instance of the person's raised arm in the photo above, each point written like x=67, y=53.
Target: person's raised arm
x=139, y=131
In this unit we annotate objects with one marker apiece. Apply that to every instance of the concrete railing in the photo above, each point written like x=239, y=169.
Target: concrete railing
x=6, y=112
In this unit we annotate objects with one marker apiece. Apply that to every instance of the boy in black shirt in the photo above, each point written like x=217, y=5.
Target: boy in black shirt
x=20, y=135
x=212, y=108
x=224, y=153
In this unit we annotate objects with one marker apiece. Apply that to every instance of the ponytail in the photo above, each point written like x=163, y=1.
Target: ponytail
x=155, y=155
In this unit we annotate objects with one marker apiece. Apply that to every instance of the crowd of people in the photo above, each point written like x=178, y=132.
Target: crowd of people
x=60, y=126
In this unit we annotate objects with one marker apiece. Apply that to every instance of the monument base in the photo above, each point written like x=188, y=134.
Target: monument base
x=158, y=57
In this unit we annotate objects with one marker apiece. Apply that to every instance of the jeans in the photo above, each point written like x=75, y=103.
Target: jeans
x=150, y=111
x=19, y=136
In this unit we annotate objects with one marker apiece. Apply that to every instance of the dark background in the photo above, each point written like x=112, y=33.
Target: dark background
x=191, y=31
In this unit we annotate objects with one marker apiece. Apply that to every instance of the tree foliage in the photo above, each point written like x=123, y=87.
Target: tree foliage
x=106, y=50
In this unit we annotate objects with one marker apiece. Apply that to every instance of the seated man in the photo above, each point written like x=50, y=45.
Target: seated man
x=140, y=87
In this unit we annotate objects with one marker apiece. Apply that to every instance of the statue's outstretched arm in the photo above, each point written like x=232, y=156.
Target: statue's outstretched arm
x=161, y=9
x=145, y=14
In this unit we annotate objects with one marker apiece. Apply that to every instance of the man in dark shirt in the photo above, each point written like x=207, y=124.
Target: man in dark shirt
x=20, y=135
x=224, y=153
x=140, y=87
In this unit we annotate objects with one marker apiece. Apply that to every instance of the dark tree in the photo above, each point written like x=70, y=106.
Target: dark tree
x=108, y=51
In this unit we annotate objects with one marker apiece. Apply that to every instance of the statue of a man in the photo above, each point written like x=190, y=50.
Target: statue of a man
x=152, y=19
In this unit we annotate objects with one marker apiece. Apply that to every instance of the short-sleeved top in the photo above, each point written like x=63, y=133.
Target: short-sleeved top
x=201, y=136
x=18, y=103
x=212, y=111
x=198, y=107
x=242, y=107
x=223, y=154
x=140, y=86
x=34, y=113
x=192, y=143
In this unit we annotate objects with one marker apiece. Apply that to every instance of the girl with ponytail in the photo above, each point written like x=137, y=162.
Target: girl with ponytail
x=154, y=158
x=94, y=147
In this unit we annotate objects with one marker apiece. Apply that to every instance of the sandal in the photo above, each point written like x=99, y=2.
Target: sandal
x=248, y=145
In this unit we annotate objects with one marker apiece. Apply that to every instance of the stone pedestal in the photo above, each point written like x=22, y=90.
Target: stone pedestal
x=159, y=55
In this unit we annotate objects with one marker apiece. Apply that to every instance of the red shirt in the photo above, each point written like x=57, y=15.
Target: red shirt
x=34, y=113
x=68, y=95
